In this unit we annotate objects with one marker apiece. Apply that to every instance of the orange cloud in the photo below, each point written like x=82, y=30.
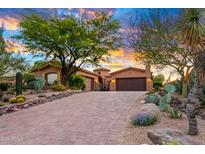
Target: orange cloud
x=9, y=22
x=117, y=53
x=16, y=47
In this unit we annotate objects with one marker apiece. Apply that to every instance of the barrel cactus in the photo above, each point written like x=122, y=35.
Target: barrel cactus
x=152, y=98
x=170, y=88
x=18, y=84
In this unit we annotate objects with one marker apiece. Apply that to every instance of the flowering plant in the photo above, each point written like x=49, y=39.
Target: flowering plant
x=144, y=119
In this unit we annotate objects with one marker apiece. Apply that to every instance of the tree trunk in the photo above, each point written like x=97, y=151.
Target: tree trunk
x=184, y=88
x=66, y=73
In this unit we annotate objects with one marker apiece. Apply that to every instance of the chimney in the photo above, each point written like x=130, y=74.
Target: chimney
x=148, y=68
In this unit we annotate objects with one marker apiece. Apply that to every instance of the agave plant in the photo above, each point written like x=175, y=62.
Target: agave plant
x=175, y=113
x=152, y=98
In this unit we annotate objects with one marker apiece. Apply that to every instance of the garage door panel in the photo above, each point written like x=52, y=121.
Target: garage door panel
x=131, y=84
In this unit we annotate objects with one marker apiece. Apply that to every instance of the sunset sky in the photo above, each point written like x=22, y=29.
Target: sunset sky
x=119, y=59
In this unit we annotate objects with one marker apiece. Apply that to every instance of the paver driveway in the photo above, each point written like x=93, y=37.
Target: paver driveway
x=87, y=118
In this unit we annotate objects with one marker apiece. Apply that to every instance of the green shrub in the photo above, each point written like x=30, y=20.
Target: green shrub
x=158, y=81
x=175, y=113
x=152, y=98
x=10, y=91
x=1, y=93
x=2, y=104
x=20, y=100
x=38, y=84
x=157, y=86
x=172, y=142
x=21, y=96
x=76, y=82
x=58, y=87
x=13, y=100
x=28, y=77
x=144, y=119
x=4, y=86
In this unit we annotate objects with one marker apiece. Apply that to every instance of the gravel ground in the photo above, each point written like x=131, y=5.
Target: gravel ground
x=138, y=135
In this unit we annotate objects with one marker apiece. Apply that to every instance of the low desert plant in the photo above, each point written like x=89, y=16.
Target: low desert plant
x=4, y=86
x=175, y=113
x=20, y=100
x=173, y=142
x=38, y=84
x=76, y=82
x=152, y=98
x=58, y=87
x=144, y=119
x=13, y=100
x=2, y=104
x=1, y=93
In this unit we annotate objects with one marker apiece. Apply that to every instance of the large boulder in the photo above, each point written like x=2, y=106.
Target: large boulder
x=165, y=136
x=150, y=108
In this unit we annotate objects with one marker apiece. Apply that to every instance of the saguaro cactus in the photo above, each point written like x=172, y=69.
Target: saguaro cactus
x=18, y=84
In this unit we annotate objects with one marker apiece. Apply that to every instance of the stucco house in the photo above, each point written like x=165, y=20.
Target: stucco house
x=128, y=79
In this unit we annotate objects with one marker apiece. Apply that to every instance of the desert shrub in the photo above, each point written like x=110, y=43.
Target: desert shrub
x=20, y=100
x=58, y=87
x=13, y=100
x=21, y=96
x=172, y=142
x=11, y=91
x=158, y=81
x=152, y=98
x=4, y=86
x=1, y=93
x=76, y=82
x=38, y=84
x=2, y=104
x=28, y=77
x=144, y=119
x=175, y=113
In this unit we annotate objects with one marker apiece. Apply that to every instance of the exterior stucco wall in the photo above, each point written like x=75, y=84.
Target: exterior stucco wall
x=88, y=76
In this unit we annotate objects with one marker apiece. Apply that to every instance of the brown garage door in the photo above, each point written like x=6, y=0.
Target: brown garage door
x=131, y=84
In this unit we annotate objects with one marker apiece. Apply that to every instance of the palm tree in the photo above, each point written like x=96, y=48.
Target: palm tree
x=191, y=29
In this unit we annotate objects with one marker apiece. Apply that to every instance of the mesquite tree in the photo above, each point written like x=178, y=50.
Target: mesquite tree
x=74, y=41
x=9, y=63
x=156, y=43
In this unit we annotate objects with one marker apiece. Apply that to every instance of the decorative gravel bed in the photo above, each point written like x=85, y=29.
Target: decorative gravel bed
x=138, y=135
x=16, y=107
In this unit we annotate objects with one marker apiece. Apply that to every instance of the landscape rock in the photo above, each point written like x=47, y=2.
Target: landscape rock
x=165, y=136
x=150, y=108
